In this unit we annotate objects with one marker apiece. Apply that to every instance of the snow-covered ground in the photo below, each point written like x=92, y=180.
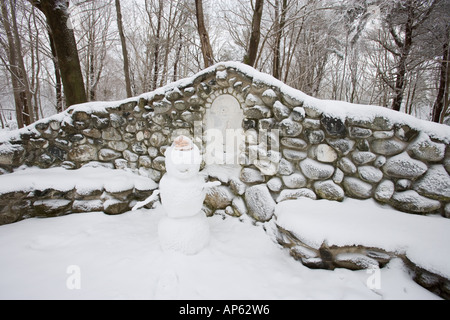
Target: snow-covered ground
x=96, y=256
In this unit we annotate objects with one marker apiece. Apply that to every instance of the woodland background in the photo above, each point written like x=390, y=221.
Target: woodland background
x=55, y=53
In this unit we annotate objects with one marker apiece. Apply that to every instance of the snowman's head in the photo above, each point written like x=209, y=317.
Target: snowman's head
x=183, y=158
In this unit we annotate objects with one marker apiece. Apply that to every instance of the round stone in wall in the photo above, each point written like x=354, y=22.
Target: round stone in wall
x=315, y=170
x=325, y=153
x=329, y=190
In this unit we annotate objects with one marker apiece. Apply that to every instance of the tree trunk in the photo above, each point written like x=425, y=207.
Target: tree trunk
x=415, y=18
x=177, y=57
x=58, y=84
x=252, y=51
x=123, y=41
x=28, y=97
x=157, y=45
x=58, y=21
x=14, y=70
x=442, y=96
x=400, y=83
x=279, y=26
x=1, y=117
x=91, y=73
x=203, y=33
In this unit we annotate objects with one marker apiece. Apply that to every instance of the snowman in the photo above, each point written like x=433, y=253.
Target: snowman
x=182, y=190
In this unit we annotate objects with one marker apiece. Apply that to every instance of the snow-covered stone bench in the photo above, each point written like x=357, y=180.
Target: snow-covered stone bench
x=359, y=234
x=34, y=192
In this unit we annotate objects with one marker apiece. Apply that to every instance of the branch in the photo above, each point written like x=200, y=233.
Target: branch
x=397, y=39
x=36, y=3
x=386, y=47
x=425, y=16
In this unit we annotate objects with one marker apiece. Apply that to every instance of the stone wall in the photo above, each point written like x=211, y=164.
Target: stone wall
x=55, y=192
x=295, y=147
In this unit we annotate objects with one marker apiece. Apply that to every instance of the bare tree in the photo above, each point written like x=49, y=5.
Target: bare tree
x=403, y=20
x=58, y=83
x=95, y=41
x=123, y=41
x=207, y=51
x=57, y=15
x=15, y=65
x=280, y=21
x=157, y=45
x=442, y=100
x=252, y=51
x=438, y=37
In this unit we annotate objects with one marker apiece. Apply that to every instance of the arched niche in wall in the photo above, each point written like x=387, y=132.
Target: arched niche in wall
x=223, y=131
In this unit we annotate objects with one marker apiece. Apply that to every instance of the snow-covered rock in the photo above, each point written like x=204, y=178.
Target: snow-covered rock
x=403, y=166
x=342, y=146
x=266, y=166
x=325, y=153
x=294, y=155
x=329, y=190
x=275, y=184
x=269, y=97
x=294, y=181
x=219, y=197
x=10, y=154
x=384, y=191
x=280, y=111
x=108, y=155
x=285, y=167
x=251, y=176
x=290, y=128
x=434, y=184
x=315, y=170
x=346, y=165
x=363, y=157
x=258, y=112
x=359, y=133
x=355, y=261
x=370, y=174
x=296, y=194
x=388, y=147
x=259, y=202
x=411, y=201
x=294, y=143
x=315, y=136
x=425, y=149
x=338, y=176
x=237, y=186
x=239, y=206
x=358, y=188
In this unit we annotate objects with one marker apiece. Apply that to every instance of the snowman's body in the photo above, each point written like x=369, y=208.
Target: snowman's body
x=182, y=198
x=182, y=191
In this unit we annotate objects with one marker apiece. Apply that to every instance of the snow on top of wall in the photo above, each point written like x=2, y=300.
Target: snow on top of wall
x=84, y=180
x=344, y=110
x=336, y=109
x=65, y=116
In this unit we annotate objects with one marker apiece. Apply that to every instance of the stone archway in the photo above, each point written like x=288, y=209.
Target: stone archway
x=224, y=133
